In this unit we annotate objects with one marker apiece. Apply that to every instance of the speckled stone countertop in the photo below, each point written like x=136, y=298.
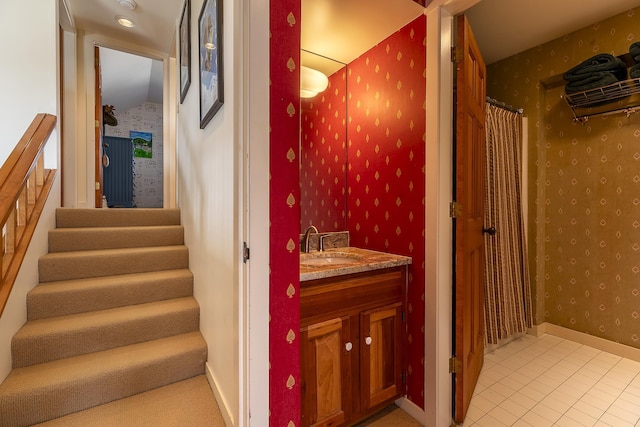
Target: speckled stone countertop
x=363, y=260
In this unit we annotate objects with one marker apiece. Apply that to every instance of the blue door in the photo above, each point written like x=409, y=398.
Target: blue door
x=117, y=168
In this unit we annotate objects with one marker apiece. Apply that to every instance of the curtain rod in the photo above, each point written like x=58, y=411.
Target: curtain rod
x=504, y=105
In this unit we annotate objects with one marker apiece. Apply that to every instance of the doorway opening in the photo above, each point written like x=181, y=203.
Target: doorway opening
x=131, y=157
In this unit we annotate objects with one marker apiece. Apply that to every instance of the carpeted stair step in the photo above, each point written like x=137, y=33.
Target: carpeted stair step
x=91, y=238
x=185, y=403
x=54, y=299
x=45, y=340
x=58, y=266
x=70, y=217
x=51, y=390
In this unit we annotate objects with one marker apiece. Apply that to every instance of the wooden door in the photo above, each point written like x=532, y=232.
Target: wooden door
x=380, y=355
x=98, y=127
x=469, y=195
x=326, y=372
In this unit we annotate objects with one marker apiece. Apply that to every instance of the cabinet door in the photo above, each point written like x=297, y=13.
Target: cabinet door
x=381, y=355
x=326, y=373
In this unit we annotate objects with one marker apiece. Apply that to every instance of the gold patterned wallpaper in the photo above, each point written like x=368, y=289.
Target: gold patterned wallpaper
x=584, y=188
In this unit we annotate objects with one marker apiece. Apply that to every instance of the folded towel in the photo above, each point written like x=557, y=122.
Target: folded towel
x=634, y=72
x=634, y=50
x=592, y=81
x=601, y=62
x=637, y=58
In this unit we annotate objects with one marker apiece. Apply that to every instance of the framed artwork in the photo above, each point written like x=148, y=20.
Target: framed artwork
x=185, y=50
x=210, y=53
x=141, y=144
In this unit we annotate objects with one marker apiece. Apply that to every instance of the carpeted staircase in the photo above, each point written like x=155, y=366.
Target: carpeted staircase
x=112, y=320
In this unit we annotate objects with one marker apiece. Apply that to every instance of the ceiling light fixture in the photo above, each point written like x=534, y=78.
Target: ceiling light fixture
x=125, y=22
x=129, y=4
x=312, y=82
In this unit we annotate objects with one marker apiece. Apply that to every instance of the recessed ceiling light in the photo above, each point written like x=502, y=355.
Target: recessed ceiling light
x=124, y=21
x=129, y=4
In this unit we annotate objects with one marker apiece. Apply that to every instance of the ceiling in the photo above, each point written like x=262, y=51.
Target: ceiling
x=502, y=27
x=505, y=27
x=129, y=80
x=345, y=29
x=155, y=21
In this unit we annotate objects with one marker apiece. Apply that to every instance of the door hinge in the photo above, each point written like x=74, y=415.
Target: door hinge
x=245, y=252
x=456, y=55
x=404, y=377
x=97, y=185
x=455, y=209
x=404, y=316
x=455, y=366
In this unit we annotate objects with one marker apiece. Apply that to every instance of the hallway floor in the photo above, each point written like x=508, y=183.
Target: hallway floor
x=549, y=381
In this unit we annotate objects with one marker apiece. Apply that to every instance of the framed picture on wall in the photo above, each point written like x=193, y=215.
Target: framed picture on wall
x=210, y=53
x=185, y=50
x=142, y=144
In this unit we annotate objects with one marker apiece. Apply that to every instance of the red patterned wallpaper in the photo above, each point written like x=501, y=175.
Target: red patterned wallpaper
x=386, y=130
x=323, y=142
x=284, y=214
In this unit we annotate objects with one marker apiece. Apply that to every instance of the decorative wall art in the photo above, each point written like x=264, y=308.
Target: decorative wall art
x=185, y=50
x=210, y=52
x=141, y=144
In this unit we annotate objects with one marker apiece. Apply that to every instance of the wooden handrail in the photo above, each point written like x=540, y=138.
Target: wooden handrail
x=24, y=188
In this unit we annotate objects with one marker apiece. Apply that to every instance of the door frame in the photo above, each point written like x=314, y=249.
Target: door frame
x=98, y=127
x=254, y=295
x=169, y=98
x=83, y=185
x=438, y=390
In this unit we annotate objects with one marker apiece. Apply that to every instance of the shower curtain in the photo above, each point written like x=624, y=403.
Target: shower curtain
x=508, y=309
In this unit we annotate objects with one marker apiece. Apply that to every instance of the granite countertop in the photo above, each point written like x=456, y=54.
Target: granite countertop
x=363, y=260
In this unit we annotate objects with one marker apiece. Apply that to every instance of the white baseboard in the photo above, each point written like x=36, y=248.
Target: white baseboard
x=222, y=404
x=537, y=330
x=412, y=409
x=601, y=344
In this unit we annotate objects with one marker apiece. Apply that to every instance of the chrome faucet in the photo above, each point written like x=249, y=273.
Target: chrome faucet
x=305, y=239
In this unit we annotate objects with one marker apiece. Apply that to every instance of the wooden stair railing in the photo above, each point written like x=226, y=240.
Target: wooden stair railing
x=24, y=187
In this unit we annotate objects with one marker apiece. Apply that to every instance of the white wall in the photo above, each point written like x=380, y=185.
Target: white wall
x=29, y=85
x=68, y=155
x=209, y=173
x=29, y=70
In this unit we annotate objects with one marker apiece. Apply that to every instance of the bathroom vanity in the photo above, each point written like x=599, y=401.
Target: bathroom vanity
x=352, y=309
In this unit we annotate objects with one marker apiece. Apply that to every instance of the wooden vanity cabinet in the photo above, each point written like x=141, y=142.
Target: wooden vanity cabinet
x=352, y=335
x=381, y=355
x=326, y=397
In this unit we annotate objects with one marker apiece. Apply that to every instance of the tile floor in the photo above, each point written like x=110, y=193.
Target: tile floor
x=549, y=381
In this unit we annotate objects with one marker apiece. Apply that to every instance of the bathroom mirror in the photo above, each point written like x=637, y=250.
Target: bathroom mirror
x=323, y=148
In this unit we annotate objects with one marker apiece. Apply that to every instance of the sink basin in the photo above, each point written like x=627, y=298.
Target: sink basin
x=327, y=258
x=330, y=260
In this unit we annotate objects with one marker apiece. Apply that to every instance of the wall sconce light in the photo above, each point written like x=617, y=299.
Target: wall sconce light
x=312, y=82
